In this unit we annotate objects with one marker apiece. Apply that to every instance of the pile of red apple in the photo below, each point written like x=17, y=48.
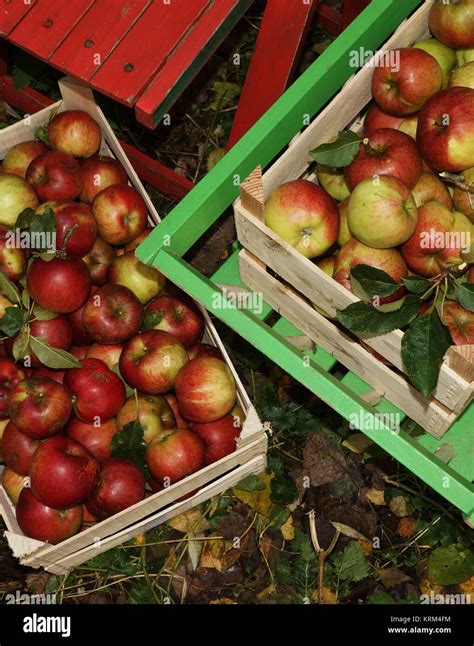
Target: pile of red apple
x=116, y=346
x=406, y=181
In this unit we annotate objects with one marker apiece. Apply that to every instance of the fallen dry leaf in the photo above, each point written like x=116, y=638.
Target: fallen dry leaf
x=467, y=587
x=392, y=576
x=329, y=597
x=426, y=587
x=406, y=527
x=366, y=547
x=322, y=462
x=357, y=443
x=349, y=531
x=266, y=592
x=288, y=529
x=218, y=554
x=375, y=496
x=401, y=506
x=258, y=500
x=191, y=521
x=223, y=602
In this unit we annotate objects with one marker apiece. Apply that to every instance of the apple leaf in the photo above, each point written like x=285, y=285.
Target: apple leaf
x=423, y=347
x=25, y=298
x=52, y=357
x=416, y=284
x=43, y=315
x=24, y=219
x=150, y=320
x=13, y=320
x=22, y=344
x=129, y=444
x=337, y=153
x=364, y=317
x=9, y=289
x=374, y=282
x=465, y=295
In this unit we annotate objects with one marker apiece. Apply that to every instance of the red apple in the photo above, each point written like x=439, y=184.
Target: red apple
x=376, y=118
x=39, y=407
x=138, y=240
x=327, y=264
x=179, y=316
x=21, y=155
x=404, y=88
x=13, y=260
x=52, y=373
x=452, y=23
x=153, y=412
x=174, y=455
x=98, y=394
x=55, y=176
x=121, y=484
x=4, y=392
x=75, y=133
x=109, y=354
x=57, y=332
x=121, y=214
x=204, y=350
x=99, y=259
x=16, y=195
x=60, y=285
x=460, y=322
x=10, y=373
x=221, y=435
x=79, y=352
x=13, y=483
x=88, y=518
x=445, y=134
x=100, y=173
x=429, y=188
x=97, y=438
x=17, y=449
x=173, y=402
x=43, y=523
x=76, y=229
x=80, y=336
x=205, y=389
x=150, y=361
x=304, y=215
x=112, y=314
x=385, y=152
x=63, y=472
x=144, y=281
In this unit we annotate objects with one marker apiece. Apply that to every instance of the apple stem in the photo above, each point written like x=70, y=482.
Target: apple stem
x=458, y=181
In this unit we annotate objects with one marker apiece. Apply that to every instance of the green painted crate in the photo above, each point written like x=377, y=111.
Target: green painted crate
x=166, y=246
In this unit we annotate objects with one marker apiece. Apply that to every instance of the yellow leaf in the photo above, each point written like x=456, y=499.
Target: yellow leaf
x=357, y=443
x=258, y=500
x=225, y=601
x=468, y=589
x=189, y=521
x=288, y=529
x=140, y=539
x=375, y=496
x=266, y=592
x=218, y=554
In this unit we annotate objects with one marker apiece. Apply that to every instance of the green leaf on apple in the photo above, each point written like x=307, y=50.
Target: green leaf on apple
x=337, y=153
x=52, y=357
x=13, y=320
x=22, y=344
x=465, y=296
x=150, y=320
x=374, y=282
x=43, y=315
x=416, y=284
x=25, y=298
x=9, y=289
x=23, y=221
x=364, y=317
x=41, y=134
x=423, y=347
x=129, y=443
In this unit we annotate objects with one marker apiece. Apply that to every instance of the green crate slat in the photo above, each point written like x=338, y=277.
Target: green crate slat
x=321, y=358
x=360, y=387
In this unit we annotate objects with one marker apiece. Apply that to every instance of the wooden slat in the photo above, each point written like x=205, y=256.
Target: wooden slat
x=98, y=33
x=279, y=41
x=11, y=12
x=188, y=58
x=47, y=24
x=145, y=48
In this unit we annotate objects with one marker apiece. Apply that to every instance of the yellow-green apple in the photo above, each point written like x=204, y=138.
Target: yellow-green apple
x=13, y=483
x=75, y=133
x=445, y=134
x=60, y=285
x=4, y=303
x=121, y=484
x=39, y=407
x=98, y=393
x=355, y=253
x=205, y=389
x=404, y=88
x=452, y=22
x=109, y=354
x=385, y=152
x=220, y=437
x=99, y=260
x=21, y=155
x=16, y=195
x=382, y=212
x=465, y=56
x=333, y=181
x=55, y=176
x=409, y=125
x=429, y=187
x=76, y=229
x=344, y=232
x=304, y=215
x=174, y=455
x=460, y=322
x=13, y=260
x=121, y=214
x=145, y=282
x=97, y=438
x=445, y=56
x=44, y=523
x=463, y=76
x=99, y=173
x=17, y=449
x=440, y=238
x=464, y=200
x=112, y=314
x=150, y=361
x=153, y=412
x=177, y=315
x=377, y=118
x=327, y=264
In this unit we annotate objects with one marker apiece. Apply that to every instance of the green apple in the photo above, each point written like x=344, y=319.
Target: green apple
x=344, y=232
x=332, y=179
x=15, y=196
x=445, y=56
x=463, y=76
x=464, y=56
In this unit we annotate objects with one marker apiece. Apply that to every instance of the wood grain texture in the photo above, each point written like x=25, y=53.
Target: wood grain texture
x=11, y=12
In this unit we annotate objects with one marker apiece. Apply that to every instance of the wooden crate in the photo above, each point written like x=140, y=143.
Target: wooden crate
x=250, y=456
x=308, y=283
